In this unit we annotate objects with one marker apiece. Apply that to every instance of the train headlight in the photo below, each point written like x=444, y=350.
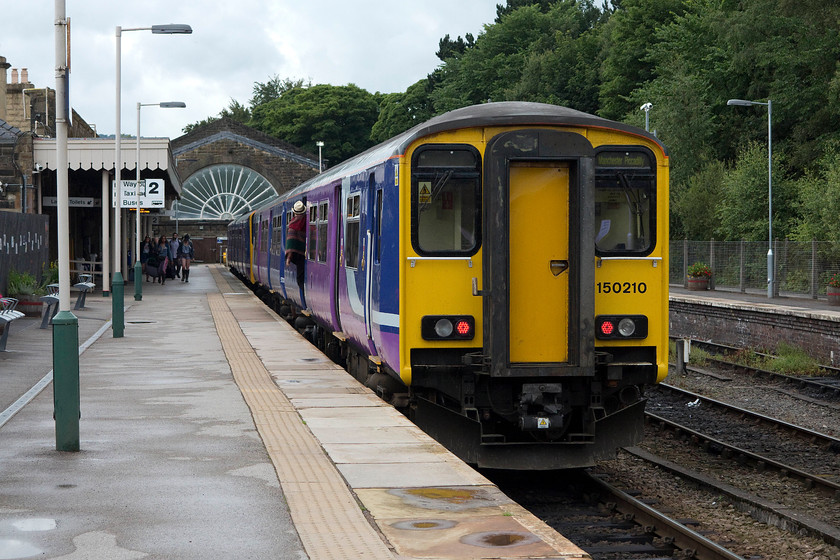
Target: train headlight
x=443, y=328
x=447, y=327
x=617, y=327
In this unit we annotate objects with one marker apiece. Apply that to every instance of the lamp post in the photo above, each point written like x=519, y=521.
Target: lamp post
x=646, y=108
x=320, y=145
x=771, y=274
x=138, y=268
x=118, y=285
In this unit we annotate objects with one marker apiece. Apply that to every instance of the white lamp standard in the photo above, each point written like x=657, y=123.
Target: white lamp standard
x=320, y=145
x=771, y=275
x=138, y=268
x=646, y=108
x=117, y=310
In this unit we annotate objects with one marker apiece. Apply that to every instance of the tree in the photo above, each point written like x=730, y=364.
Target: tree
x=274, y=88
x=528, y=54
x=400, y=111
x=628, y=38
x=340, y=116
x=743, y=211
x=819, y=199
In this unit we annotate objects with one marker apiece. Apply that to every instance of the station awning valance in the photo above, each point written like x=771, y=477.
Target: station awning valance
x=98, y=154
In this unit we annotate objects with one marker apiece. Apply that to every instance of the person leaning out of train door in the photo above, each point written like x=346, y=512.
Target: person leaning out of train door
x=187, y=254
x=296, y=240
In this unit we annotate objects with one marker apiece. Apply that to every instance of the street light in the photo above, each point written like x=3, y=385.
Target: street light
x=771, y=275
x=320, y=145
x=117, y=303
x=138, y=268
x=646, y=108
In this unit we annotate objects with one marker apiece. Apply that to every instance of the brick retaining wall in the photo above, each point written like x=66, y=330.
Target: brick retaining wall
x=751, y=327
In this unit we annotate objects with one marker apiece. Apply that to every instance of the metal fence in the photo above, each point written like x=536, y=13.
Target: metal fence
x=801, y=268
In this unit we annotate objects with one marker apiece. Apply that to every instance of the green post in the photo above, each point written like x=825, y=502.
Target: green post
x=66, y=380
x=138, y=281
x=118, y=305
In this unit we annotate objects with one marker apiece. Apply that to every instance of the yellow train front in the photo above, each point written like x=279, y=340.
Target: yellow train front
x=533, y=281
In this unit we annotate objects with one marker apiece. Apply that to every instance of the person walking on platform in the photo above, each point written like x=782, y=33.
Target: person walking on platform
x=187, y=254
x=174, y=250
x=163, y=258
x=296, y=241
x=145, y=251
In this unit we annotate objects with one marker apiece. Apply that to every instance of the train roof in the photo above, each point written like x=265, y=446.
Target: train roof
x=504, y=113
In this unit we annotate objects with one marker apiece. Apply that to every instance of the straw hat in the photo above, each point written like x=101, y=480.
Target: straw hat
x=299, y=207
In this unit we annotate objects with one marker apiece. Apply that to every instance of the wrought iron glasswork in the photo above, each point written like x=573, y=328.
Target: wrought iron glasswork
x=222, y=192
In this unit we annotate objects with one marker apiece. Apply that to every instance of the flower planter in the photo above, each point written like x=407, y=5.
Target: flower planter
x=698, y=284
x=31, y=306
x=833, y=296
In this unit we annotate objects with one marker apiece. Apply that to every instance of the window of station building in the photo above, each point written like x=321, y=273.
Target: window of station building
x=351, y=231
x=323, y=213
x=625, y=201
x=313, y=233
x=446, y=200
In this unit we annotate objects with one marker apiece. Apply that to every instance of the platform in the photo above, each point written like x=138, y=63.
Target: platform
x=212, y=429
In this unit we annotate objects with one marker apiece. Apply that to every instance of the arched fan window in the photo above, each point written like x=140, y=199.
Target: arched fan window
x=222, y=192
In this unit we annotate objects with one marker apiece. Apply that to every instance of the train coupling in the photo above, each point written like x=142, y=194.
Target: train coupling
x=540, y=406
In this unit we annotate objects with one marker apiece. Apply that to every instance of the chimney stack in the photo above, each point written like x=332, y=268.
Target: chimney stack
x=24, y=75
x=14, y=75
x=3, y=67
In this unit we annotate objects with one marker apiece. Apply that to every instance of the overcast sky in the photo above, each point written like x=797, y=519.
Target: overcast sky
x=379, y=45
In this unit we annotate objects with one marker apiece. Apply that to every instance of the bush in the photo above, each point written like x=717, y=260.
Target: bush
x=22, y=284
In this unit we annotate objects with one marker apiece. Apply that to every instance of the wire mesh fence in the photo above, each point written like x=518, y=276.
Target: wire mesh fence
x=800, y=268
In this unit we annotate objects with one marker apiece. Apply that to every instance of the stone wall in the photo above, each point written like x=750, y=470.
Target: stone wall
x=751, y=327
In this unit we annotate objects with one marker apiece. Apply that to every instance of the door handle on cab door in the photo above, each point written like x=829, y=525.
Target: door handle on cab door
x=558, y=267
x=475, y=290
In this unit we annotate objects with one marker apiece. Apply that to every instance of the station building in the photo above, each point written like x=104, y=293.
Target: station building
x=211, y=175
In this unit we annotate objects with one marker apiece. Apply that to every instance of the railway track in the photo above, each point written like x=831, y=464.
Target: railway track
x=608, y=522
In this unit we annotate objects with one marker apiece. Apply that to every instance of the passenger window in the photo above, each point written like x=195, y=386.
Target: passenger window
x=625, y=199
x=322, y=231
x=446, y=203
x=313, y=233
x=351, y=235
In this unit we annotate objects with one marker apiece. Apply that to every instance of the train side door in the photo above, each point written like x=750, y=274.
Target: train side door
x=538, y=254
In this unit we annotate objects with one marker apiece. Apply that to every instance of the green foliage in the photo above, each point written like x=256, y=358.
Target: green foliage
x=693, y=206
x=22, y=284
x=792, y=360
x=819, y=199
x=400, y=111
x=340, y=116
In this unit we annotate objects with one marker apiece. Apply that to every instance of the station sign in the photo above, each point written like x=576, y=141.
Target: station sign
x=151, y=193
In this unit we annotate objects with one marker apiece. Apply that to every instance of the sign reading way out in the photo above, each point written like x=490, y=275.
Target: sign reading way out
x=150, y=195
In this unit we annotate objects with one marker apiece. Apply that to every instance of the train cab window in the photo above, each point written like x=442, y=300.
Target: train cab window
x=625, y=201
x=351, y=232
x=446, y=200
x=323, y=212
x=313, y=233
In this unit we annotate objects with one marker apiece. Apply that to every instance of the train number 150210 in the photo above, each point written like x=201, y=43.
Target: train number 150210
x=621, y=287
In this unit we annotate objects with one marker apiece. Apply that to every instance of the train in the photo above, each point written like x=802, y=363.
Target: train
x=498, y=272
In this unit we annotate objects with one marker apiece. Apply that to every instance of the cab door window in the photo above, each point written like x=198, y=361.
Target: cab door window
x=625, y=201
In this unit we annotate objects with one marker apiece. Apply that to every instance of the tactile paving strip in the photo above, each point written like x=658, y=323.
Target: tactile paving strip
x=328, y=519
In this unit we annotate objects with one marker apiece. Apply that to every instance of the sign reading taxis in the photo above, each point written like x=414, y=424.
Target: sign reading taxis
x=150, y=195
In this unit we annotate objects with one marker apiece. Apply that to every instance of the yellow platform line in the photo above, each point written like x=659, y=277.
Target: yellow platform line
x=328, y=519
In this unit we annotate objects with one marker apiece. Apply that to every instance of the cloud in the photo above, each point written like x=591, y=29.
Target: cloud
x=378, y=45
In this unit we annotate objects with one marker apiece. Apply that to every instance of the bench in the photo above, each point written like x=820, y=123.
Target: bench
x=84, y=285
x=51, y=308
x=8, y=313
